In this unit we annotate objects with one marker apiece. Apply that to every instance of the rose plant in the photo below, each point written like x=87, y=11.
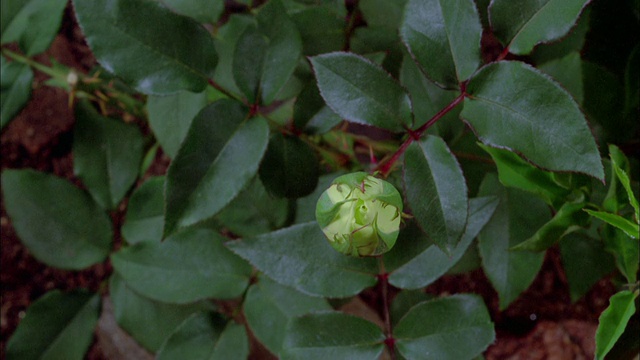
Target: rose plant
x=411, y=136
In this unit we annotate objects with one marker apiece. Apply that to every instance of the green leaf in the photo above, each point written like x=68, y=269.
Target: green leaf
x=145, y=213
x=404, y=301
x=150, y=47
x=515, y=172
x=568, y=72
x=443, y=36
x=613, y=321
x=626, y=251
x=268, y=307
x=225, y=42
x=217, y=159
x=514, y=106
x=290, y=167
x=332, y=335
x=321, y=29
x=517, y=218
x=361, y=92
x=56, y=326
x=32, y=23
x=456, y=327
x=382, y=13
x=432, y=263
x=522, y=24
x=204, y=336
x=306, y=206
x=585, y=262
x=170, y=117
x=629, y=227
x=436, y=191
x=619, y=160
x=311, y=113
x=15, y=89
x=265, y=56
x=301, y=257
x=106, y=155
x=188, y=266
x=148, y=321
x=72, y=232
x=572, y=42
x=205, y=11
x=254, y=212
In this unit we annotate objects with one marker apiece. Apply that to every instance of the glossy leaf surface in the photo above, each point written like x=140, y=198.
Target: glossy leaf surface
x=107, y=155
x=15, y=89
x=361, y=92
x=56, y=326
x=444, y=38
x=33, y=24
x=72, y=232
x=332, y=335
x=613, y=321
x=514, y=106
x=456, y=327
x=436, y=191
x=521, y=24
x=188, y=266
x=218, y=158
x=300, y=257
x=150, y=47
x=145, y=212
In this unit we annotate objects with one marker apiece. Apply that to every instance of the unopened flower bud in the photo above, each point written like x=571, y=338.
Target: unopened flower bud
x=360, y=215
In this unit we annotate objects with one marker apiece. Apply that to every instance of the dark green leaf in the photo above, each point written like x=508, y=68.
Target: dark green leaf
x=517, y=217
x=522, y=24
x=151, y=48
x=188, y=266
x=170, y=117
x=514, y=106
x=311, y=113
x=32, y=23
x=332, y=335
x=382, y=13
x=361, y=92
x=306, y=206
x=145, y=213
x=15, y=89
x=572, y=42
x=432, y=263
x=444, y=38
x=321, y=29
x=72, y=231
x=148, y=321
x=626, y=251
x=290, y=167
x=613, y=321
x=629, y=227
x=268, y=307
x=436, y=191
x=620, y=167
x=456, y=327
x=217, y=159
x=204, y=336
x=226, y=40
x=404, y=301
x=585, y=261
x=631, y=75
x=56, y=326
x=106, y=155
x=301, y=257
x=205, y=11
x=568, y=72
x=517, y=173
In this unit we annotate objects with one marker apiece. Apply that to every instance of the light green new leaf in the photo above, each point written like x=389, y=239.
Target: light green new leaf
x=618, y=160
x=205, y=336
x=513, y=106
x=300, y=257
x=516, y=219
x=629, y=227
x=191, y=265
x=56, y=326
x=148, y=321
x=269, y=306
x=32, y=23
x=145, y=212
x=106, y=155
x=436, y=191
x=217, y=159
x=15, y=89
x=72, y=231
x=456, y=327
x=444, y=38
x=332, y=335
x=521, y=24
x=361, y=91
x=613, y=321
x=150, y=47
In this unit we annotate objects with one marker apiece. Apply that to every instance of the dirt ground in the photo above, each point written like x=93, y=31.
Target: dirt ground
x=541, y=324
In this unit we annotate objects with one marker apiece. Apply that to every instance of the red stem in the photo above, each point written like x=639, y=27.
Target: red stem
x=503, y=54
x=415, y=135
x=383, y=276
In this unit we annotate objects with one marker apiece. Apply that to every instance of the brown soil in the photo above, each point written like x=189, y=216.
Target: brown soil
x=541, y=324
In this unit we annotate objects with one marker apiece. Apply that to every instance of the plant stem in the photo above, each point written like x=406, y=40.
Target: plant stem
x=383, y=276
x=414, y=135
